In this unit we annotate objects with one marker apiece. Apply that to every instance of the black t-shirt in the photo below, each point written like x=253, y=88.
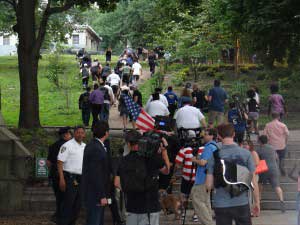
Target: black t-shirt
x=252, y=105
x=151, y=59
x=139, y=95
x=52, y=156
x=144, y=202
x=84, y=102
x=200, y=97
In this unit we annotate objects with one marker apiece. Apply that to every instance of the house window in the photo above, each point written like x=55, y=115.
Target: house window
x=6, y=40
x=75, y=39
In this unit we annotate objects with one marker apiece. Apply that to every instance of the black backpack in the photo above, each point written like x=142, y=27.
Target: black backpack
x=105, y=93
x=252, y=105
x=84, y=101
x=85, y=72
x=135, y=175
x=95, y=69
x=231, y=180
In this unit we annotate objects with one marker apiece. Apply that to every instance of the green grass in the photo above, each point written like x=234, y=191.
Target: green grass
x=53, y=101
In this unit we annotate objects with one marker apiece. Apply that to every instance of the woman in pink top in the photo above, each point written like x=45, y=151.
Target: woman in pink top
x=277, y=133
x=276, y=102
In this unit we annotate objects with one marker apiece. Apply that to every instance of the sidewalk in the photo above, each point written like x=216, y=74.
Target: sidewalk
x=268, y=217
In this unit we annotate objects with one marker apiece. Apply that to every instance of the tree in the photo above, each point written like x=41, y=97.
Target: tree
x=32, y=18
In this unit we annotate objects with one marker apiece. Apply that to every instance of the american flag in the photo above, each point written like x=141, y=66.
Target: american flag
x=143, y=120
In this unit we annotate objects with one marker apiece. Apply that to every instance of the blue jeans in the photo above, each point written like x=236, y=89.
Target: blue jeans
x=104, y=114
x=95, y=215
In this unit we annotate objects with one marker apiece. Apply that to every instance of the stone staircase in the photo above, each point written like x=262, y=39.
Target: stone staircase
x=269, y=199
x=41, y=199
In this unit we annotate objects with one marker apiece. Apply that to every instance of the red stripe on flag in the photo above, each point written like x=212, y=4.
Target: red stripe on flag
x=148, y=123
x=147, y=115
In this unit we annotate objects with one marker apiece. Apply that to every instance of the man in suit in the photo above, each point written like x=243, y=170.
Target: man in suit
x=96, y=175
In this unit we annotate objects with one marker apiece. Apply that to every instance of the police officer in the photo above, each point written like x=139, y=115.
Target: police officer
x=64, y=136
x=69, y=164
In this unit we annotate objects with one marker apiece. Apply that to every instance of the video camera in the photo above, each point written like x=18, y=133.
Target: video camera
x=240, y=106
x=190, y=138
x=149, y=144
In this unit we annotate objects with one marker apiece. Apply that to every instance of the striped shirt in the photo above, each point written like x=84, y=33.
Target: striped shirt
x=184, y=157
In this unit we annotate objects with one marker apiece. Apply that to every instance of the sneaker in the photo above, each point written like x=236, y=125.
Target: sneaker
x=282, y=207
x=195, y=218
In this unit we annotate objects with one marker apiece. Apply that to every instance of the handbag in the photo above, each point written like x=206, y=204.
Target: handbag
x=262, y=167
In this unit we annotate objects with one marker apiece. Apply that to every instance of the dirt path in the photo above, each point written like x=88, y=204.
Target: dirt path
x=115, y=121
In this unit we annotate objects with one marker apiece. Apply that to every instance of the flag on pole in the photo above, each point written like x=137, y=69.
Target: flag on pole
x=143, y=120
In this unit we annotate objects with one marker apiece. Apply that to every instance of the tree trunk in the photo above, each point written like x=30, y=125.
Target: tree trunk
x=236, y=56
x=28, y=58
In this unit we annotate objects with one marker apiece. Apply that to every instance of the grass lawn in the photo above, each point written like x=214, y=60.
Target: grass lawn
x=53, y=101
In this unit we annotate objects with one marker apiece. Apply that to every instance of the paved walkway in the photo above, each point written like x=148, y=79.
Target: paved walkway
x=115, y=121
x=266, y=218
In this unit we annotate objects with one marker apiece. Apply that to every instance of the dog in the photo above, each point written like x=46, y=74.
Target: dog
x=169, y=202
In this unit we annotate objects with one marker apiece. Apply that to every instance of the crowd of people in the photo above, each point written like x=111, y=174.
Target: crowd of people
x=109, y=85
x=207, y=155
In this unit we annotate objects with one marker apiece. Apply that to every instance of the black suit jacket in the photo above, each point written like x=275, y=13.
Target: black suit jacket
x=96, y=171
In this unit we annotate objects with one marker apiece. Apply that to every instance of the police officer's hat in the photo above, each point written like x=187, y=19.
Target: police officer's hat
x=64, y=130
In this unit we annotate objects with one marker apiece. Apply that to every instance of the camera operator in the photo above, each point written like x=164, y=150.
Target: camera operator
x=239, y=120
x=184, y=159
x=142, y=203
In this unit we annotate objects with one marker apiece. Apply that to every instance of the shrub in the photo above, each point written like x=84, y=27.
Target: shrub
x=220, y=75
x=181, y=76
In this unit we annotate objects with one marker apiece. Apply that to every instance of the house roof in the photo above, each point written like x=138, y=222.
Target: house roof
x=90, y=30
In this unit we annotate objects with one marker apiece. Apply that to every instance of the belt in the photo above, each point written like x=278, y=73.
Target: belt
x=72, y=175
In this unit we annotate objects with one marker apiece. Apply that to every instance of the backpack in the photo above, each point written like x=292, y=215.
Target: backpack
x=84, y=101
x=135, y=176
x=85, y=73
x=94, y=69
x=105, y=93
x=252, y=105
x=236, y=179
x=126, y=70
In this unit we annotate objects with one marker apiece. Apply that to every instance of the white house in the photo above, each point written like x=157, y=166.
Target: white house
x=83, y=36
x=8, y=44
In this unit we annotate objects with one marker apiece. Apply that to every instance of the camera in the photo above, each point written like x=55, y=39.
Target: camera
x=149, y=144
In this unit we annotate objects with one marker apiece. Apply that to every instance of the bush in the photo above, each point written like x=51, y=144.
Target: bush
x=55, y=68
x=262, y=75
x=220, y=75
x=181, y=76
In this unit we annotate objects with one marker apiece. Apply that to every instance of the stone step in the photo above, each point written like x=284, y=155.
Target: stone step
x=286, y=187
x=275, y=205
x=38, y=190
x=35, y=205
x=293, y=154
x=271, y=196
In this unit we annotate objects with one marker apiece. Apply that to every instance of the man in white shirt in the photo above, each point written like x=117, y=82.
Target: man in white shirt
x=162, y=98
x=189, y=117
x=137, y=71
x=69, y=164
x=156, y=107
x=114, y=80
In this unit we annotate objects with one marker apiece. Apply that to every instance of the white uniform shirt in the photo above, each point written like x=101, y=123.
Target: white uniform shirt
x=157, y=108
x=71, y=154
x=113, y=79
x=188, y=117
x=162, y=98
x=136, y=68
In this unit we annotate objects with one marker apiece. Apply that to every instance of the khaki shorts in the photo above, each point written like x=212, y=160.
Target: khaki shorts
x=215, y=116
